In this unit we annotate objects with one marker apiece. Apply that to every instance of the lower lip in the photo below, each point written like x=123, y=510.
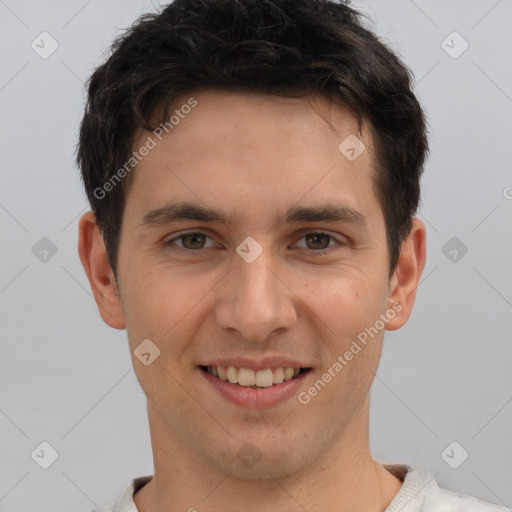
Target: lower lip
x=256, y=398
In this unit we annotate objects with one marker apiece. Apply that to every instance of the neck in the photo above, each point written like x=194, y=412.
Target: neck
x=344, y=478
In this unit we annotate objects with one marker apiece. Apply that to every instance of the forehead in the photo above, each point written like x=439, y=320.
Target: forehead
x=241, y=147
x=239, y=115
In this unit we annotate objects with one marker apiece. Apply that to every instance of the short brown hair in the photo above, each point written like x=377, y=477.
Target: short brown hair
x=283, y=47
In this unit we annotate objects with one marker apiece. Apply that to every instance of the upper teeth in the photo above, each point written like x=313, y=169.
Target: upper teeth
x=247, y=377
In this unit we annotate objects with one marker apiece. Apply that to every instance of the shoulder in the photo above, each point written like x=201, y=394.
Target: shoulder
x=125, y=501
x=421, y=493
x=444, y=500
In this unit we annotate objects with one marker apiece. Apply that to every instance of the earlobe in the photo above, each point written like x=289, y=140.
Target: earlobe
x=406, y=277
x=94, y=258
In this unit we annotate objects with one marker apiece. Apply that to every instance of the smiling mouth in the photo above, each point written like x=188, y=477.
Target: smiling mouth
x=248, y=378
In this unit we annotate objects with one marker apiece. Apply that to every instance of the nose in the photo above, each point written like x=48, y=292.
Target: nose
x=256, y=301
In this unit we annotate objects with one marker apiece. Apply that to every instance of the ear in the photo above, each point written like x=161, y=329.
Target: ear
x=405, y=279
x=94, y=258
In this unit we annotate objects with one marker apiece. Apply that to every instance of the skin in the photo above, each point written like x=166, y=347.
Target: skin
x=254, y=156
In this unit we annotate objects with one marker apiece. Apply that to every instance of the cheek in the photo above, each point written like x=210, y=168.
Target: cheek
x=152, y=307
x=345, y=309
x=345, y=302
x=155, y=311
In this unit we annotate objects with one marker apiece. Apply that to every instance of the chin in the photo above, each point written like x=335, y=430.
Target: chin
x=260, y=460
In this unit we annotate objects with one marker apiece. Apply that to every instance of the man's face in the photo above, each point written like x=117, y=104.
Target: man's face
x=260, y=292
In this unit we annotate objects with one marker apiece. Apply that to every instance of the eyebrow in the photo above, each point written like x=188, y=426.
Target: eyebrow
x=185, y=210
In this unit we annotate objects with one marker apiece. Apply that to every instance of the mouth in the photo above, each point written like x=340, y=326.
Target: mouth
x=248, y=378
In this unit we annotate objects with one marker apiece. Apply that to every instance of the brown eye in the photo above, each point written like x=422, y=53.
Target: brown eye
x=190, y=243
x=318, y=243
x=193, y=240
x=317, y=240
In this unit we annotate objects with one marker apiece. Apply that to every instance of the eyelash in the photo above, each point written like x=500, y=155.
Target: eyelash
x=196, y=252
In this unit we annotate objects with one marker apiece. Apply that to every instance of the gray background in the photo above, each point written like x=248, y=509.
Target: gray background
x=67, y=379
